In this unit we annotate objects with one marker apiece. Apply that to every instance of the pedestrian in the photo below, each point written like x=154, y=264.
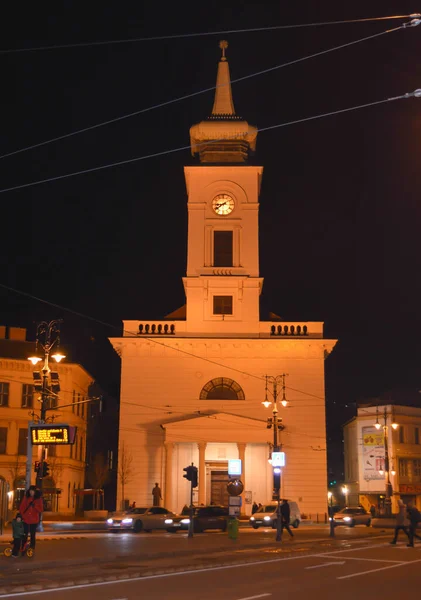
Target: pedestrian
x=31, y=510
x=373, y=511
x=133, y=506
x=400, y=522
x=254, y=508
x=285, y=518
x=414, y=517
x=18, y=535
x=156, y=495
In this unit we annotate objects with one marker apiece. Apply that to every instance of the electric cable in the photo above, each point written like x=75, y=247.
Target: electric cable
x=415, y=94
x=178, y=36
x=193, y=94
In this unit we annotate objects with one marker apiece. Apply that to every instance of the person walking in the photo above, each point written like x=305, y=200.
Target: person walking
x=156, y=495
x=372, y=511
x=414, y=517
x=400, y=522
x=285, y=518
x=18, y=535
x=31, y=509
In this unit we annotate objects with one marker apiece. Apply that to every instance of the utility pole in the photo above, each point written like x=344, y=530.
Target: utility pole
x=276, y=423
x=387, y=470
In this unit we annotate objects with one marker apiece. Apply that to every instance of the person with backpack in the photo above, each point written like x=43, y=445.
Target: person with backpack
x=31, y=509
x=414, y=517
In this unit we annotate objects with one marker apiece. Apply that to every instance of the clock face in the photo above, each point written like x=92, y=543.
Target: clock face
x=223, y=204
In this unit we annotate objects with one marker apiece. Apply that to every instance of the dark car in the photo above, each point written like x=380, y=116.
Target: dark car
x=204, y=517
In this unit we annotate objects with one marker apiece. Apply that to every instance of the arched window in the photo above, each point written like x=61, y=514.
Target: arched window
x=222, y=389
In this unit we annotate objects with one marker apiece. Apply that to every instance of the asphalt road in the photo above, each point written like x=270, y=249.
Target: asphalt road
x=371, y=569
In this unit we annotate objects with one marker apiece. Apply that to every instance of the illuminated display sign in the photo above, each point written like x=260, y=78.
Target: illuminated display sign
x=278, y=459
x=52, y=434
x=234, y=466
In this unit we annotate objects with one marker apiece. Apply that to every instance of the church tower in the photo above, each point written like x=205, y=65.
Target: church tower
x=222, y=282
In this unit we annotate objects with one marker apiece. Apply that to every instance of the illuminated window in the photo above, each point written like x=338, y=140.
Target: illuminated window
x=4, y=394
x=222, y=249
x=222, y=305
x=222, y=389
x=23, y=441
x=27, y=396
x=3, y=440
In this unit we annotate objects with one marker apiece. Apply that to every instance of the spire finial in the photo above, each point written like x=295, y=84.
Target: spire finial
x=223, y=44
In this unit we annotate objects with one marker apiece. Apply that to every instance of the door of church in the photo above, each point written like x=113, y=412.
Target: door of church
x=219, y=493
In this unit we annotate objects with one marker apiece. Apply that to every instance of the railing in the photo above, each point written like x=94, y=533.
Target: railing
x=285, y=330
x=156, y=329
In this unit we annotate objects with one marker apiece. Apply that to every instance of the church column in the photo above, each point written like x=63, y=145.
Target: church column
x=242, y=456
x=169, y=449
x=202, y=472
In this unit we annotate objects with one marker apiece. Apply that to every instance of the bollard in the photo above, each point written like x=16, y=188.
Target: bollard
x=232, y=528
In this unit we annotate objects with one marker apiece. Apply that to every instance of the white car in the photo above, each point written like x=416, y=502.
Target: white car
x=141, y=519
x=266, y=516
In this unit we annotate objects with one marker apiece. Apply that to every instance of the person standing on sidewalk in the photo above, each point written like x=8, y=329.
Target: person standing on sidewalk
x=414, y=517
x=156, y=495
x=31, y=509
x=18, y=535
x=400, y=522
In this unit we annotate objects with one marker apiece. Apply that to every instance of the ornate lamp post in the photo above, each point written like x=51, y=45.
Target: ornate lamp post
x=278, y=385
x=387, y=470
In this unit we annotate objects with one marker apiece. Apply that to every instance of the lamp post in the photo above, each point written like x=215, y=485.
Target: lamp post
x=45, y=380
x=387, y=470
x=278, y=385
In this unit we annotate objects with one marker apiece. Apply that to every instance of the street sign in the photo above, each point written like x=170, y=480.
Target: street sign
x=234, y=466
x=278, y=459
x=52, y=434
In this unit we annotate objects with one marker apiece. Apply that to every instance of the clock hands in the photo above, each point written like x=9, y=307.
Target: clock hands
x=222, y=204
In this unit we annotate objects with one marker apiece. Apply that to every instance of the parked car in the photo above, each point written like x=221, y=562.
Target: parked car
x=140, y=519
x=266, y=516
x=204, y=517
x=351, y=516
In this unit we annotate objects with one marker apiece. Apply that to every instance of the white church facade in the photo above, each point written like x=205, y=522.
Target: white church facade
x=192, y=384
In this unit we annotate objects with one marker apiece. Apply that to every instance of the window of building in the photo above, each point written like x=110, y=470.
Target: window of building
x=222, y=249
x=23, y=441
x=403, y=467
x=27, y=395
x=417, y=435
x=401, y=435
x=222, y=305
x=3, y=440
x=222, y=389
x=73, y=498
x=4, y=394
x=417, y=468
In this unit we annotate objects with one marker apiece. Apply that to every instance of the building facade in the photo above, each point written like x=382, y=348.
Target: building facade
x=192, y=384
x=19, y=404
x=364, y=454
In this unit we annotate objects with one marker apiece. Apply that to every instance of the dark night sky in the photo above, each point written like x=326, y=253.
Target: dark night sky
x=340, y=206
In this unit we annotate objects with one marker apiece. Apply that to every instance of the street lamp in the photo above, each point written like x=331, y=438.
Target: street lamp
x=45, y=380
x=387, y=470
x=278, y=385
x=345, y=492
x=331, y=521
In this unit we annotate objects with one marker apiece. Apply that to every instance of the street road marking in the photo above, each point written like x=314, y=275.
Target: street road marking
x=253, y=597
x=408, y=562
x=367, y=559
x=335, y=562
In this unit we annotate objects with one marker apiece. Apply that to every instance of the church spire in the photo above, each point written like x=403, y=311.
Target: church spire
x=223, y=104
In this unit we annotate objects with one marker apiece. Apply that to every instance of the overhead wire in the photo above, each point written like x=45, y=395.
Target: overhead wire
x=416, y=93
x=199, y=92
x=178, y=36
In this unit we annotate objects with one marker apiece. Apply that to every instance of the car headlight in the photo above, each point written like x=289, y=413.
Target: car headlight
x=347, y=518
x=127, y=521
x=168, y=521
x=185, y=521
x=110, y=521
x=252, y=519
x=266, y=518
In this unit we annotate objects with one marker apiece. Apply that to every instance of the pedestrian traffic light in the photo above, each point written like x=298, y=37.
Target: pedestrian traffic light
x=45, y=469
x=36, y=466
x=191, y=475
x=277, y=478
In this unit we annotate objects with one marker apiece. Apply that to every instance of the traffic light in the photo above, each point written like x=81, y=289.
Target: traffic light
x=45, y=469
x=277, y=478
x=191, y=475
x=36, y=466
